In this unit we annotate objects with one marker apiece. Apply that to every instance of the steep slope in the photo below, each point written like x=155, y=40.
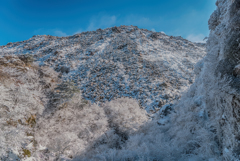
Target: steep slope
x=211, y=106
x=117, y=62
x=44, y=118
x=218, y=80
x=204, y=124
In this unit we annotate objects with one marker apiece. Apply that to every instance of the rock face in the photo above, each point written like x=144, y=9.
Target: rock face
x=223, y=60
x=214, y=97
x=117, y=62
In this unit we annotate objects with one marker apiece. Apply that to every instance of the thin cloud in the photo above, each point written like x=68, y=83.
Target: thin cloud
x=153, y=30
x=59, y=33
x=196, y=38
x=53, y=32
x=105, y=21
x=101, y=21
x=136, y=20
x=78, y=31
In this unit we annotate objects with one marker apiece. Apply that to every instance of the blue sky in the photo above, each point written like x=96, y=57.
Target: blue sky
x=21, y=19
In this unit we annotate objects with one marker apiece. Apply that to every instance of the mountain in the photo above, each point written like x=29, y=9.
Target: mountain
x=49, y=84
x=124, y=61
x=43, y=115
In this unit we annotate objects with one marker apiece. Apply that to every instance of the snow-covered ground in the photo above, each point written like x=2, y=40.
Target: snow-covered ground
x=124, y=61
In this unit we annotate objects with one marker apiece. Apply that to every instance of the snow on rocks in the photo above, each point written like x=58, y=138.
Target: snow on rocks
x=236, y=70
x=117, y=62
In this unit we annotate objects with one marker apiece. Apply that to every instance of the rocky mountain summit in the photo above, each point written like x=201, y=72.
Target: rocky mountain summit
x=124, y=61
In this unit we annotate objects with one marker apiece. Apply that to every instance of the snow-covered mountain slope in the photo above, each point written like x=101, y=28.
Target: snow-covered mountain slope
x=43, y=117
x=117, y=62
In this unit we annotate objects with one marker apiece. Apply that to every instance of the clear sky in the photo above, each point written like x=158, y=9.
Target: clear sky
x=21, y=19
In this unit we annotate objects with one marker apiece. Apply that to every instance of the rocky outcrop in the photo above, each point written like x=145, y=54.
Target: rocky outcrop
x=214, y=96
x=223, y=57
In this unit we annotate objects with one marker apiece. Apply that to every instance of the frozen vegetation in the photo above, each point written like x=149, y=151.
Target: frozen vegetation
x=45, y=116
